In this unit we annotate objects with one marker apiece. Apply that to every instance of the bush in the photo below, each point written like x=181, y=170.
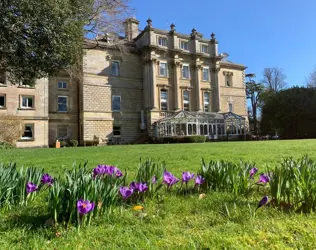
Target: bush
x=73, y=143
x=6, y=145
x=69, y=143
x=183, y=139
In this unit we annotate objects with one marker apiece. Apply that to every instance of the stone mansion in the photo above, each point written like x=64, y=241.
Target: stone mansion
x=163, y=83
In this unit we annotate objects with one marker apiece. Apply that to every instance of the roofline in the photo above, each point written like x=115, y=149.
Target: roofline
x=233, y=65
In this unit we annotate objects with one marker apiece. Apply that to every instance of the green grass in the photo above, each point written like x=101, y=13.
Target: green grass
x=179, y=222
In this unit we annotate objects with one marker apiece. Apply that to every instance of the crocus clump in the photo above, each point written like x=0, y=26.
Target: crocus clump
x=126, y=192
x=140, y=187
x=199, y=180
x=84, y=206
x=263, y=179
x=186, y=176
x=252, y=172
x=263, y=202
x=47, y=179
x=31, y=187
x=169, y=179
x=102, y=170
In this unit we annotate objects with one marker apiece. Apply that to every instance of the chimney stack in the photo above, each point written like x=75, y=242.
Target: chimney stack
x=131, y=28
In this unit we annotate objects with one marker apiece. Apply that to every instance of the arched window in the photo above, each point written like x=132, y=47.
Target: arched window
x=201, y=130
x=190, y=129
x=205, y=129
x=194, y=129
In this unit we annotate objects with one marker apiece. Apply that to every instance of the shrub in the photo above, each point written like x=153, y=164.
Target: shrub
x=73, y=143
x=5, y=145
x=183, y=139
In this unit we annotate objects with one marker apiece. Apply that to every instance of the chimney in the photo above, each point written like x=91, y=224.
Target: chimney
x=131, y=28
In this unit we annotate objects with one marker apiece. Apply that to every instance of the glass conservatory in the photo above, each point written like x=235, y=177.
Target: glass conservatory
x=213, y=125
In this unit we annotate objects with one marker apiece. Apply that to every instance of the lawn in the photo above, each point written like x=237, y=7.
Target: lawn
x=218, y=221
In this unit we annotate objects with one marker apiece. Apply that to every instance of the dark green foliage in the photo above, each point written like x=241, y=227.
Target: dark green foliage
x=183, y=139
x=5, y=145
x=290, y=113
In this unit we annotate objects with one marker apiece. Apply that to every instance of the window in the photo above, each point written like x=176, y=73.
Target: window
x=62, y=132
x=62, y=85
x=62, y=103
x=163, y=100
x=116, y=103
x=228, y=79
x=2, y=77
x=230, y=107
x=115, y=68
x=2, y=101
x=186, y=100
x=116, y=130
x=28, y=132
x=27, y=102
x=206, y=102
x=162, y=41
x=185, y=72
x=184, y=45
x=204, y=48
x=206, y=74
x=163, y=69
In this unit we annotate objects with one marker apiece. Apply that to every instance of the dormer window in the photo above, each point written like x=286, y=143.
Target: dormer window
x=205, y=49
x=184, y=45
x=162, y=41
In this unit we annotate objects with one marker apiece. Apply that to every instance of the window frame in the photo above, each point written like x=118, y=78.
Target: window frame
x=164, y=100
x=162, y=38
x=188, y=66
x=62, y=85
x=120, y=130
x=116, y=110
x=206, y=104
x=116, y=62
x=207, y=48
x=32, y=130
x=208, y=74
x=67, y=103
x=186, y=102
x=166, y=69
x=4, y=102
x=58, y=131
x=184, y=42
x=27, y=107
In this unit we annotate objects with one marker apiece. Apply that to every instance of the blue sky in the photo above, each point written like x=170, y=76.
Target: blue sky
x=256, y=33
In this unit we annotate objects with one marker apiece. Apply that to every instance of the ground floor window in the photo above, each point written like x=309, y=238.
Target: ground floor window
x=116, y=130
x=28, y=132
x=62, y=132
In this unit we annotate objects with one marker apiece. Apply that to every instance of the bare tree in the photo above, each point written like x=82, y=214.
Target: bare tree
x=10, y=129
x=311, y=80
x=274, y=79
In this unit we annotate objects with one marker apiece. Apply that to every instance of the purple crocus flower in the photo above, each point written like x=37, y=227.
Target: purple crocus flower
x=142, y=187
x=186, y=176
x=109, y=170
x=199, y=180
x=126, y=192
x=31, y=187
x=263, y=179
x=84, y=207
x=154, y=179
x=169, y=179
x=99, y=171
x=133, y=186
x=47, y=179
x=252, y=172
x=118, y=173
x=263, y=202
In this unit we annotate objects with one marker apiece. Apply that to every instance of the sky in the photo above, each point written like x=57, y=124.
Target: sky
x=256, y=33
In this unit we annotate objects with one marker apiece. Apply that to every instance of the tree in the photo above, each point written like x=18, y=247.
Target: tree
x=254, y=91
x=290, y=113
x=274, y=79
x=42, y=38
x=311, y=80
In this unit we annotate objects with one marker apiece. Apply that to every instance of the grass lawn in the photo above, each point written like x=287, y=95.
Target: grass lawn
x=217, y=222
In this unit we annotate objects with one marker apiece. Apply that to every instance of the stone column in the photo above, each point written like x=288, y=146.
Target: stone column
x=198, y=87
x=154, y=95
x=217, y=87
x=177, y=98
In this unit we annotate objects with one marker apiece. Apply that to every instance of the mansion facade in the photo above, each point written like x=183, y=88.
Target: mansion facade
x=127, y=93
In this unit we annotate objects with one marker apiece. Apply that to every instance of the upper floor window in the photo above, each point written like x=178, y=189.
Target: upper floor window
x=230, y=107
x=2, y=101
x=62, y=85
x=162, y=41
x=186, y=100
x=115, y=68
x=204, y=49
x=228, y=78
x=2, y=77
x=27, y=102
x=28, y=132
x=185, y=72
x=163, y=100
x=184, y=45
x=206, y=74
x=62, y=132
x=163, y=69
x=62, y=103
x=116, y=103
x=206, y=101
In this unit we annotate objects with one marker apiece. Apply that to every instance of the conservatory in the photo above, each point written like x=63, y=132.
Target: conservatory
x=213, y=125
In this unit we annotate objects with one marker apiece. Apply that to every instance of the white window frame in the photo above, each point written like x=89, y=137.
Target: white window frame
x=162, y=44
x=64, y=85
x=185, y=65
x=164, y=100
x=113, y=97
x=27, y=106
x=4, y=102
x=207, y=48
x=32, y=129
x=182, y=42
x=58, y=131
x=120, y=130
x=166, y=69
x=67, y=99
x=208, y=74
x=206, y=103
x=118, y=68
x=186, y=101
